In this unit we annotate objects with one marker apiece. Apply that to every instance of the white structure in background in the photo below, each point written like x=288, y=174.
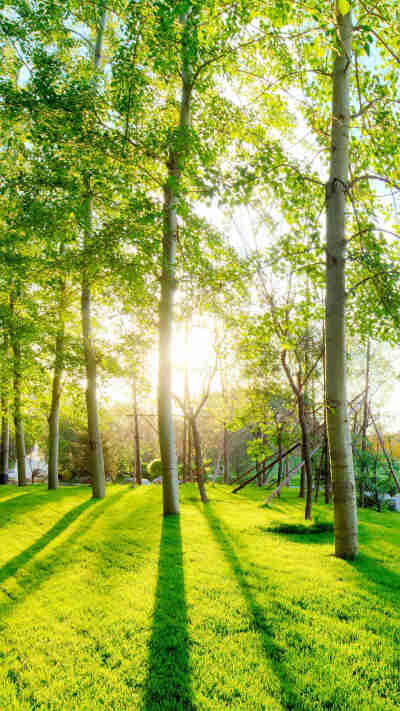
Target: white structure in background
x=394, y=501
x=34, y=461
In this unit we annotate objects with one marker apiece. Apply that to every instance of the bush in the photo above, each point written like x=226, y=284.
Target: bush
x=154, y=469
x=66, y=475
x=301, y=529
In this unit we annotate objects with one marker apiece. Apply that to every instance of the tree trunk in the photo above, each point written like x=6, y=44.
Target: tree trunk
x=366, y=399
x=165, y=409
x=5, y=441
x=345, y=506
x=190, y=453
x=280, y=465
x=259, y=473
x=199, y=460
x=218, y=460
x=306, y=456
x=319, y=473
x=327, y=479
x=96, y=461
x=19, y=427
x=364, y=427
x=184, y=449
x=168, y=285
x=226, y=456
x=302, y=479
x=377, y=499
x=55, y=398
x=5, y=427
x=18, y=423
x=138, y=463
x=186, y=424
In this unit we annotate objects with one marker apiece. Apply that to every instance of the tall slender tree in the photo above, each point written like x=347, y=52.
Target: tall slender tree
x=5, y=428
x=18, y=384
x=95, y=446
x=54, y=429
x=341, y=458
x=176, y=162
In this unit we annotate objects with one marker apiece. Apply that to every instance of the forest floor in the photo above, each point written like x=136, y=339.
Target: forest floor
x=106, y=605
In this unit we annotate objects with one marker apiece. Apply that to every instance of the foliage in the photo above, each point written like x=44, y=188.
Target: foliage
x=154, y=469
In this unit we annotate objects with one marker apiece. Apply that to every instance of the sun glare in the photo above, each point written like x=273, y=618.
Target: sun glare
x=198, y=355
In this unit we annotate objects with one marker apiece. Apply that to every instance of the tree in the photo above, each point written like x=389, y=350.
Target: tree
x=192, y=415
x=54, y=436
x=95, y=447
x=341, y=459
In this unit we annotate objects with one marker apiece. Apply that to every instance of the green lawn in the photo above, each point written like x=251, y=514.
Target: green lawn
x=105, y=605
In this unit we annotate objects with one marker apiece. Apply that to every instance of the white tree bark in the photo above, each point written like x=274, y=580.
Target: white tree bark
x=341, y=458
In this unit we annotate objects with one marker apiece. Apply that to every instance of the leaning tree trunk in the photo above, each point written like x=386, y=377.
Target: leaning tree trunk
x=54, y=428
x=5, y=441
x=168, y=285
x=96, y=461
x=138, y=464
x=345, y=506
x=199, y=460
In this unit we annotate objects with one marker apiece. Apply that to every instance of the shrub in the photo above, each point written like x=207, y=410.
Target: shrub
x=154, y=469
x=301, y=529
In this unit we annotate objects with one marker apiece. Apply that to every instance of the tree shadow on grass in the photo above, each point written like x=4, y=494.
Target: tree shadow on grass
x=168, y=685
x=9, y=491
x=272, y=651
x=378, y=579
x=24, y=503
x=41, y=570
x=13, y=565
x=300, y=536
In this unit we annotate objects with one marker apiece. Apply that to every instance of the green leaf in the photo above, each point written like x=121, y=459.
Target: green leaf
x=344, y=7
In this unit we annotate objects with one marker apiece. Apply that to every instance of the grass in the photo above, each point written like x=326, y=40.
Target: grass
x=108, y=606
